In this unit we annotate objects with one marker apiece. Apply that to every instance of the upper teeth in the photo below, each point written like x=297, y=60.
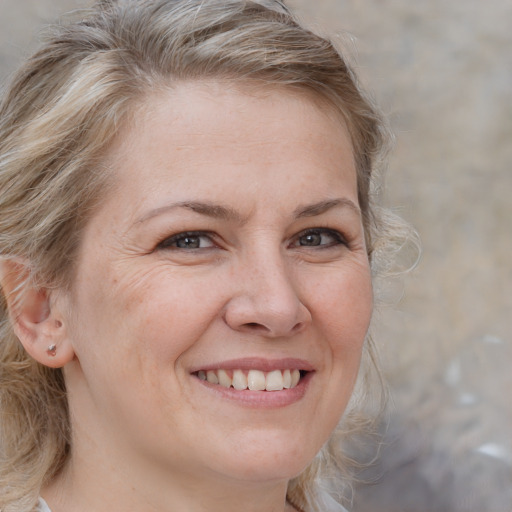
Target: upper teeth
x=255, y=380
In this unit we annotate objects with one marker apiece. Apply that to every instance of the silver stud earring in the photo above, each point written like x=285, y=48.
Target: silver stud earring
x=52, y=350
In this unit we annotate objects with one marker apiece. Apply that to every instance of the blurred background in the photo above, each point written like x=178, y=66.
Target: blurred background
x=442, y=72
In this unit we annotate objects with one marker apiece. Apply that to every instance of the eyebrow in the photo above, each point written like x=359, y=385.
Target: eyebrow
x=204, y=208
x=312, y=210
x=218, y=211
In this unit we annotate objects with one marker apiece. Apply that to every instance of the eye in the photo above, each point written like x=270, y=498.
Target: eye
x=188, y=240
x=319, y=237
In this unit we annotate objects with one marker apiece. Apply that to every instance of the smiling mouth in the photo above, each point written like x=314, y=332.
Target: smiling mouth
x=253, y=380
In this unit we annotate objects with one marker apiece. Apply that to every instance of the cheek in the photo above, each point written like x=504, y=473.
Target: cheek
x=345, y=309
x=168, y=314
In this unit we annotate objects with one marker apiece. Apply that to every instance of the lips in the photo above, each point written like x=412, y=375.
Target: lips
x=255, y=374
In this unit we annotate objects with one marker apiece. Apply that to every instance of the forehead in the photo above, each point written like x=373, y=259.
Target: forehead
x=181, y=109
x=219, y=132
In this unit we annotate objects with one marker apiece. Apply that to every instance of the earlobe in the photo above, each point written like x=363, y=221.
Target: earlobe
x=39, y=326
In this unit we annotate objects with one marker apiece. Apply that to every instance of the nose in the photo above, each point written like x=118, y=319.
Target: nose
x=265, y=300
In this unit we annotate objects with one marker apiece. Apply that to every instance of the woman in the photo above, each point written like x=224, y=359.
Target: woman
x=187, y=241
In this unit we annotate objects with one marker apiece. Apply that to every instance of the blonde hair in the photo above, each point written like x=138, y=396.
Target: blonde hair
x=60, y=113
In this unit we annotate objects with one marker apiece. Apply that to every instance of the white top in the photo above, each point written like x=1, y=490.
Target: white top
x=42, y=506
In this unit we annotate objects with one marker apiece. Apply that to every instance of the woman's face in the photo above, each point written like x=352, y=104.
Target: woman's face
x=231, y=249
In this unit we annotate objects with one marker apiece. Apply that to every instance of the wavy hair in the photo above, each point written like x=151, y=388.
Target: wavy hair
x=58, y=116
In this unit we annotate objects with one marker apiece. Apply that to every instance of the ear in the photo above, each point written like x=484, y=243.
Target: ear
x=38, y=324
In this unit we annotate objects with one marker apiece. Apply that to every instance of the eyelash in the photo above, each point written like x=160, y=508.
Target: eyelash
x=173, y=241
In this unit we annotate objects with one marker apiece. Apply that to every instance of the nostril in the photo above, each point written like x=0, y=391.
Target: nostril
x=298, y=327
x=255, y=326
x=259, y=316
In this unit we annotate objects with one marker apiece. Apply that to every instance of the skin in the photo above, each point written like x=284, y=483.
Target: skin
x=144, y=314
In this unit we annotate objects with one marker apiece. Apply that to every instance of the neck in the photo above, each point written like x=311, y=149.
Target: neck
x=79, y=488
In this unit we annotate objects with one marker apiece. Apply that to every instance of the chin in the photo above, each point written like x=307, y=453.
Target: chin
x=269, y=470
x=270, y=459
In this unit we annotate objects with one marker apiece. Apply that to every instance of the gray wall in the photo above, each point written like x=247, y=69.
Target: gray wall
x=442, y=71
